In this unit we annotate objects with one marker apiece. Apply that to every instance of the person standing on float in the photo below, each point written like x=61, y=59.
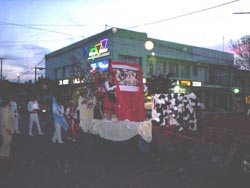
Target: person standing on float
x=110, y=97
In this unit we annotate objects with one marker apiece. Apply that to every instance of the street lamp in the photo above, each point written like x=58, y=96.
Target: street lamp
x=149, y=45
x=38, y=68
x=18, y=78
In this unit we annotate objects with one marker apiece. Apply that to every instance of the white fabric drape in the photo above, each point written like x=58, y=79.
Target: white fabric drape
x=117, y=130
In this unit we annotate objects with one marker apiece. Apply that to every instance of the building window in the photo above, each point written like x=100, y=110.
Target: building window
x=130, y=59
x=195, y=72
x=56, y=74
x=173, y=69
x=219, y=77
x=185, y=71
x=63, y=72
x=150, y=68
x=160, y=68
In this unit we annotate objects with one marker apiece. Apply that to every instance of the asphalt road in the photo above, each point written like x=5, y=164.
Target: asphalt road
x=92, y=162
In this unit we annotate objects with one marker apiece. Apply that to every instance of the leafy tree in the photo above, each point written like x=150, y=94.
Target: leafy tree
x=159, y=84
x=241, y=48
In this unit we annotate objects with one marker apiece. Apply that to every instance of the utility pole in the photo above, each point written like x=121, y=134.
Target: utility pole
x=1, y=58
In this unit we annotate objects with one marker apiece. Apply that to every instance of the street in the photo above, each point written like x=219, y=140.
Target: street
x=92, y=162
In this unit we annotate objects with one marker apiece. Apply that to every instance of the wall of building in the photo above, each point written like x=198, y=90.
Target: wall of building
x=213, y=69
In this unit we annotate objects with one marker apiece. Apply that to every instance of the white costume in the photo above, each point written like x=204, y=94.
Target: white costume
x=33, y=107
x=14, y=110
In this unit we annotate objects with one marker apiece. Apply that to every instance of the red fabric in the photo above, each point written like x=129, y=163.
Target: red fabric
x=130, y=105
x=109, y=107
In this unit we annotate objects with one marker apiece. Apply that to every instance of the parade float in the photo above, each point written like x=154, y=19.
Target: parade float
x=171, y=114
x=129, y=116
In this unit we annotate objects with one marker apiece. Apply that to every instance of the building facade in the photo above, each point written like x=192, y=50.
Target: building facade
x=208, y=73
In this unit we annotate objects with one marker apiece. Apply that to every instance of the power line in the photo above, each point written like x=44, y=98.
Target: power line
x=50, y=25
x=184, y=15
x=24, y=41
x=241, y=13
x=41, y=29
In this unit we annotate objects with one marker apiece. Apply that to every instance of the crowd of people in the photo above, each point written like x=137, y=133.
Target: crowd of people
x=10, y=120
x=66, y=115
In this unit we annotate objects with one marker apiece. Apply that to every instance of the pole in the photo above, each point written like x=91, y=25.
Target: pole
x=35, y=74
x=2, y=67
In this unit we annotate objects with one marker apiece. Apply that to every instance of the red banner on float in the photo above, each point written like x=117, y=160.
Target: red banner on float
x=129, y=90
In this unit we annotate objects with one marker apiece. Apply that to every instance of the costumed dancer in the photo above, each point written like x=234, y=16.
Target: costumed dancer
x=33, y=108
x=15, y=114
x=110, y=97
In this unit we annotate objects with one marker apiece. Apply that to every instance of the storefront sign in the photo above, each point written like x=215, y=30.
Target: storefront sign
x=185, y=83
x=247, y=99
x=77, y=81
x=99, y=50
x=63, y=82
x=100, y=66
x=196, y=84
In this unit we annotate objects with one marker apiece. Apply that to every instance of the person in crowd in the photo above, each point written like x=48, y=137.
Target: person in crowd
x=7, y=129
x=110, y=97
x=15, y=114
x=70, y=116
x=59, y=122
x=33, y=108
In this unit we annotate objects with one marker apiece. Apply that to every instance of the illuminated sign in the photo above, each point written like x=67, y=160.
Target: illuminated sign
x=100, y=66
x=99, y=50
x=77, y=81
x=185, y=83
x=63, y=82
x=248, y=99
x=196, y=84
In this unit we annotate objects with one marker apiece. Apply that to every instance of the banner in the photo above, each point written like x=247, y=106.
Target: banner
x=129, y=90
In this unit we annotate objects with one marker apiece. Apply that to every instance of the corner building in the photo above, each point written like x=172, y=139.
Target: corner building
x=208, y=73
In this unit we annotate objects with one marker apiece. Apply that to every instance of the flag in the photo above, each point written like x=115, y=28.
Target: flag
x=57, y=117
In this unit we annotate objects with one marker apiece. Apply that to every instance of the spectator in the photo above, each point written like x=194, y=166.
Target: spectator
x=7, y=129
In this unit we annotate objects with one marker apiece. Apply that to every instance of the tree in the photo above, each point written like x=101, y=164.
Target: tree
x=241, y=48
x=159, y=84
